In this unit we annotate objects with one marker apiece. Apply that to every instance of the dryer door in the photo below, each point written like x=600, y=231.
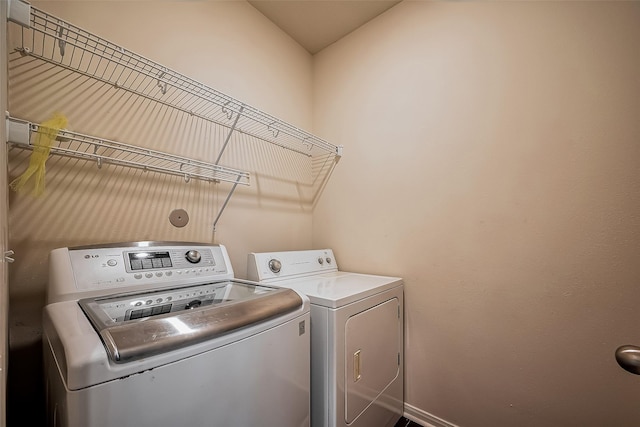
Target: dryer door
x=372, y=355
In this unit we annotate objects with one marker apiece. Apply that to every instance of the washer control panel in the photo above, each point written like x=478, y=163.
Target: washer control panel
x=142, y=260
x=122, y=266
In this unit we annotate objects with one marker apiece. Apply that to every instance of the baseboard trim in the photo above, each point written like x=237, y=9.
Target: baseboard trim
x=424, y=418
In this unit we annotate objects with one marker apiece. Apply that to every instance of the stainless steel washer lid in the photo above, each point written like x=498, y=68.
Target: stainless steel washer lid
x=135, y=326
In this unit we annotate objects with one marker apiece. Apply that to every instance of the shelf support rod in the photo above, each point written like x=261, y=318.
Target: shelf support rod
x=224, y=205
x=226, y=141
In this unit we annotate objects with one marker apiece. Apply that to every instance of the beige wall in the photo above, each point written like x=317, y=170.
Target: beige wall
x=491, y=159
x=229, y=46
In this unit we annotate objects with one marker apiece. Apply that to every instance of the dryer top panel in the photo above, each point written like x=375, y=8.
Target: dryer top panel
x=337, y=289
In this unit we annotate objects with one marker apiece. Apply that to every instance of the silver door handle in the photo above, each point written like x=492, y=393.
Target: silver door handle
x=356, y=366
x=628, y=357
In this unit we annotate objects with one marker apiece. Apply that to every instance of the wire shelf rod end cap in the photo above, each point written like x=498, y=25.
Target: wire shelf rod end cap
x=19, y=11
x=18, y=131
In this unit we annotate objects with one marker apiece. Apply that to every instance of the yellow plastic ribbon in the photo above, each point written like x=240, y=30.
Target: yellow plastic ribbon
x=47, y=133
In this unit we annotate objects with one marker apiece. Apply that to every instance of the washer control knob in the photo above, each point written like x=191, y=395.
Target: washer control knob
x=320, y=260
x=193, y=256
x=328, y=260
x=275, y=265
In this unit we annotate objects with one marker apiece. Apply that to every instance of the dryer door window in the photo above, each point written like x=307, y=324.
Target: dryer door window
x=372, y=355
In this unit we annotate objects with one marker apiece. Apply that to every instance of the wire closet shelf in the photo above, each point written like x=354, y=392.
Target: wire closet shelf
x=22, y=134
x=56, y=41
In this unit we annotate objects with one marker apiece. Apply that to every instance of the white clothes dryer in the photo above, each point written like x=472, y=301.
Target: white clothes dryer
x=357, y=341
x=160, y=334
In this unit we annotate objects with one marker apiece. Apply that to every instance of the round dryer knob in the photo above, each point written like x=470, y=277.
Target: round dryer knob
x=193, y=256
x=275, y=265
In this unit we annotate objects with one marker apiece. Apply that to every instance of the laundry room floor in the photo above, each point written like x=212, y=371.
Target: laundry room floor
x=404, y=422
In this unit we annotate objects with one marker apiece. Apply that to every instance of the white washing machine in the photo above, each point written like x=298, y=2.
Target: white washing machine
x=356, y=336
x=161, y=335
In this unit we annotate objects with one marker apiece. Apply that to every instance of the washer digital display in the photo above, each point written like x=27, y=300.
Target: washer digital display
x=149, y=260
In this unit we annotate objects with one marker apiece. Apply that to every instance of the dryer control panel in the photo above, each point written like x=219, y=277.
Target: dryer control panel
x=263, y=266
